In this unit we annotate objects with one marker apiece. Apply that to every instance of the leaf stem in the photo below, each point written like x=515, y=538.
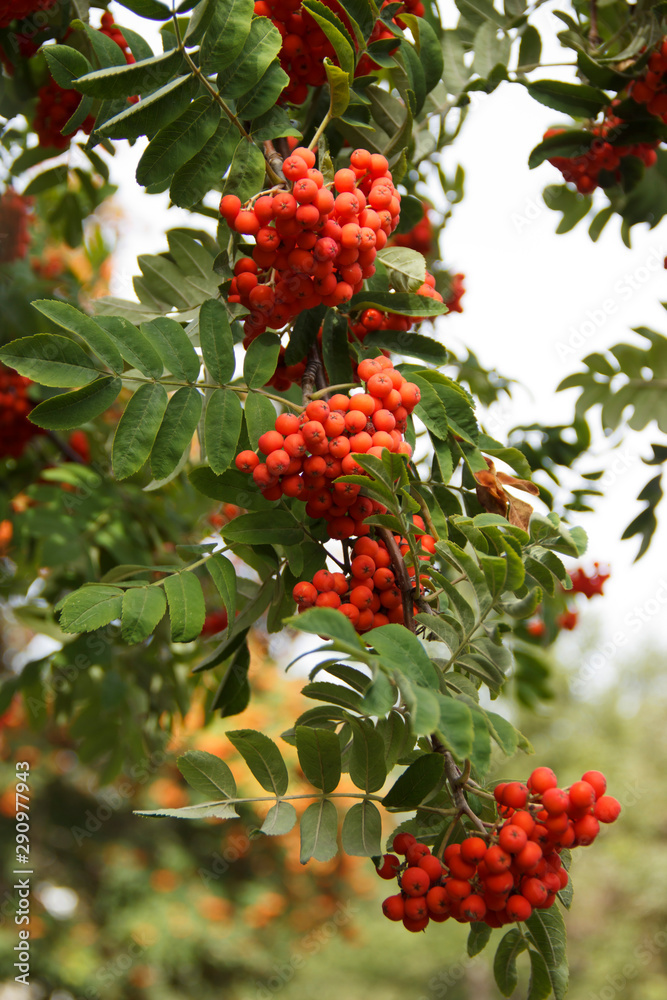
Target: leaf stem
x=327, y=118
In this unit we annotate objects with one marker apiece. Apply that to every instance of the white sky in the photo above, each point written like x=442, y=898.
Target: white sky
x=535, y=304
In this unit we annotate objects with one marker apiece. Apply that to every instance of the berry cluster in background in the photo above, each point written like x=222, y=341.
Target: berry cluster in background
x=14, y=226
x=501, y=877
x=568, y=617
x=600, y=165
x=15, y=428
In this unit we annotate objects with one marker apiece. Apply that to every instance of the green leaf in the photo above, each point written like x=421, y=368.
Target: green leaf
x=50, y=360
x=504, y=964
x=336, y=32
x=72, y=409
x=262, y=98
x=362, y=830
x=53, y=177
x=246, y=174
x=143, y=609
x=176, y=430
x=261, y=360
x=233, y=692
x=478, y=938
x=530, y=49
x=400, y=650
x=281, y=528
x=124, y=81
x=217, y=341
x=574, y=99
x=259, y=414
x=335, y=349
x=221, y=811
x=338, y=694
x=416, y=783
x=133, y=346
x=412, y=345
x=456, y=726
x=327, y=622
x=65, y=64
x=319, y=756
x=222, y=427
x=480, y=755
x=547, y=935
x=260, y=48
x=231, y=487
x=205, y=170
x=207, y=774
x=569, y=143
x=226, y=34
x=539, y=987
x=406, y=268
x=151, y=9
x=77, y=322
x=367, y=766
x=402, y=303
x=279, y=820
x=319, y=832
x=263, y=758
x=186, y=606
x=90, y=608
x=178, y=142
x=223, y=574
x=171, y=342
x=339, y=88
x=137, y=429
x=153, y=112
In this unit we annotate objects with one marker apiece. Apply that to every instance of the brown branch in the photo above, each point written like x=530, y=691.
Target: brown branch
x=593, y=34
x=401, y=574
x=457, y=779
x=273, y=158
x=312, y=375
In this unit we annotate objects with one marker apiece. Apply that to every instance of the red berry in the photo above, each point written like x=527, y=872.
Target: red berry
x=401, y=841
x=394, y=907
x=415, y=881
x=607, y=809
x=389, y=867
x=541, y=779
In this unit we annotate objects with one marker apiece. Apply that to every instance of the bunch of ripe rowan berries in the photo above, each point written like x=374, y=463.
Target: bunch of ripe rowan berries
x=603, y=157
x=15, y=428
x=14, y=232
x=591, y=585
x=55, y=107
x=313, y=244
x=16, y=10
x=420, y=237
x=456, y=293
x=305, y=453
x=304, y=47
x=369, y=596
x=651, y=88
x=112, y=31
x=501, y=877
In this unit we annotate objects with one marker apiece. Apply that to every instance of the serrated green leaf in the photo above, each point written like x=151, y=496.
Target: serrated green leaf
x=143, y=609
x=133, y=345
x=72, y=409
x=224, y=417
x=90, y=608
x=339, y=88
x=261, y=360
x=176, y=430
x=207, y=774
x=226, y=34
x=223, y=574
x=233, y=692
x=65, y=315
x=126, y=80
x=504, y=964
x=478, y=938
x=178, y=141
x=416, y=783
x=206, y=169
x=65, y=64
x=171, y=342
x=217, y=341
x=186, y=606
x=137, y=429
x=263, y=758
x=153, y=112
x=259, y=414
x=319, y=757
x=367, y=766
x=50, y=360
x=319, y=832
x=361, y=835
x=402, y=303
x=456, y=726
x=260, y=48
x=256, y=529
x=279, y=820
x=246, y=174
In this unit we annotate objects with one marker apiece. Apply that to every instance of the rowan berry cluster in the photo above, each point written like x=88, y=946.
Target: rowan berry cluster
x=304, y=47
x=313, y=245
x=651, y=88
x=15, y=428
x=16, y=10
x=304, y=454
x=420, y=237
x=502, y=877
x=369, y=596
x=14, y=218
x=599, y=166
x=113, y=32
x=55, y=107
